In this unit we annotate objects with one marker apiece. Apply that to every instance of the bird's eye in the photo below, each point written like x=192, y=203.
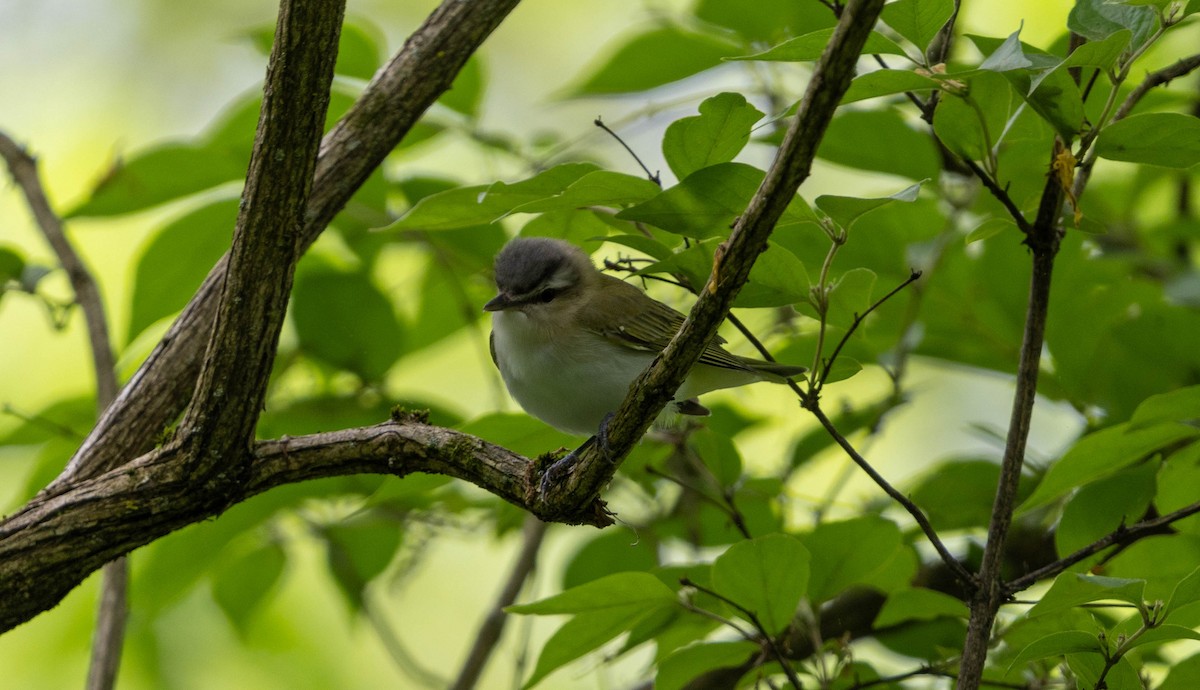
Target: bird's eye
x=546, y=295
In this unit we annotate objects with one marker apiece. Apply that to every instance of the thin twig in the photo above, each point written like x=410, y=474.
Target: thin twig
x=653, y=177
x=858, y=319
x=1000, y=194
x=532, y=536
x=113, y=610
x=1152, y=80
x=1121, y=535
x=967, y=579
x=762, y=631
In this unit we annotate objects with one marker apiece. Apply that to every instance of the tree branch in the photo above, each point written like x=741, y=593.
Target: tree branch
x=731, y=266
x=1124, y=535
x=391, y=104
x=24, y=172
x=109, y=636
x=52, y=543
x=258, y=279
x=1043, y=240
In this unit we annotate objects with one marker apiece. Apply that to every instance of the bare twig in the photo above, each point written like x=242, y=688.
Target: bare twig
x=1000, y=193
x=653, y=177
x=532, y=535
x=110, y=617
x=1120, y=536
x=764, y=634
x=24, y=171
x=1043, y=240
x=858, y=319
x=948, y=558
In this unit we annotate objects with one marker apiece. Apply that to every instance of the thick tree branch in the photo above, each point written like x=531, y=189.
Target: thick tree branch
x=1043, y=240
x=220, y=422
x=109, y=636
x=577, y=492
x=391, y=104
x=55, y=541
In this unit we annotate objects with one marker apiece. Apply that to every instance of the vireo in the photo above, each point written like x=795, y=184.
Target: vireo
x=569, y=340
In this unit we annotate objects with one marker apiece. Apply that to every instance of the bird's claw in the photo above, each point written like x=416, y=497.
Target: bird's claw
x=559, y=469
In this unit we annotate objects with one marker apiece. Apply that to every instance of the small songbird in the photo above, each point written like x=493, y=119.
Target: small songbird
x=569, y=340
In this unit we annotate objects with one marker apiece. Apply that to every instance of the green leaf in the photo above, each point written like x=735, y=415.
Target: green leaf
x=482, y=204
x=958, y=494
x=1053, y=93
x=176, y=261
x=1186, y=592
x=918, y=20
x=989, y=228
x=596, y=188
x=683, y=665
x=920, y=605
x=656, y=57
x=1096, y=20
x=1165, y=633
x=466, y=92
x=1176, y=481
x=612, y=551
x=848, y=553
x=158, y=175
x=1008, y=56
x=1103, y=506
x=345, y=321
x=1101, y=454
x=776, y=279
x=1058, y=644
x=1073, y=589
x=11, y=266
x=720, y=456
x=809, y=47
x=716, y=135
x=884, y=82
x=1088, y=667
x=604, y=608
x=770, y=21
x=1102, y=54
x=707, y=202
x=880, y=140
x=358, y=55
x=1171, y=140
x=619, y=591
x=1182, y=405
x=846, y=211
x=240, y=585
x=358, y=550
x=767, y=576
x=1184, y=675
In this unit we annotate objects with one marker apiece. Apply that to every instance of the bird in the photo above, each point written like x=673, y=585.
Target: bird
x=569, y=340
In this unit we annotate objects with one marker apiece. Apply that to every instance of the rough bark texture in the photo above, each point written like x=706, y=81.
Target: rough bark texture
x=391, y=104
x=51, y=544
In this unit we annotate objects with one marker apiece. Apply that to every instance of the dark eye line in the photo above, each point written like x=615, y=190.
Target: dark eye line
x=546, y=295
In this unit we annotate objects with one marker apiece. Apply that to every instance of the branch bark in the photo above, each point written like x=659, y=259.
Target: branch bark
x=51, y=544
x=391, y=104
x=575, y=497
x=219, y=425
x=1043, y=240
x=109, y=636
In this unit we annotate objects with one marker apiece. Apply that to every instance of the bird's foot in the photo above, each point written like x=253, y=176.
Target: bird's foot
x=559, y=469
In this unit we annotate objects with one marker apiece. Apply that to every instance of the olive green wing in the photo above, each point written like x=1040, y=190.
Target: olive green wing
x=644, y=323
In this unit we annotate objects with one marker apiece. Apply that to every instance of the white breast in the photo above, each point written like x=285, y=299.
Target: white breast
x=570, y=383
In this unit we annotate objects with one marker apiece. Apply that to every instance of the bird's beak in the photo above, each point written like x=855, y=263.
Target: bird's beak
x=498, y=303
